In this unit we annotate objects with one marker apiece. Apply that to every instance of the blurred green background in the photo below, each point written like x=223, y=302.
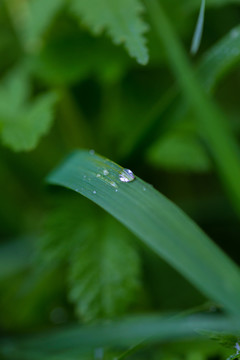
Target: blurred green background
x=65, y=87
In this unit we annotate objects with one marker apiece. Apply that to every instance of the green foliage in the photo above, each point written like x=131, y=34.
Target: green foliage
x=66, y=85
x=121, y=20
x=22, y=122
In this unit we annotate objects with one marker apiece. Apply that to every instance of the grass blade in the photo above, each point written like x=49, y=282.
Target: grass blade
x=199, y=30
x=221, y=141
x=157, y=222
x=122, y=333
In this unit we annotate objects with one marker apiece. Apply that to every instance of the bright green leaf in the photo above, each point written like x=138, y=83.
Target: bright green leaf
x=157, y=222
x=23, y=122
x=24, y=130
x=121, y=19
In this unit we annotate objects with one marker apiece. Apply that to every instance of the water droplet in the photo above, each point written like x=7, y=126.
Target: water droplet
x=94, y=192
x=98, y=175
x=105, y=172
x=144, y=189
x=91, y=152
x=112, y=183
x=116, y=190
x=126, y=175
x=84, y=176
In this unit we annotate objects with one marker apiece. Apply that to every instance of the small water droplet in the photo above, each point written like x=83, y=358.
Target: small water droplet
x=144, y=189
x=112, y=183
x=116, y=190
x=84, y=176
x=126, y=175
x=105, y=172
x=94, y=192
x=98, y=175
x=91, y=152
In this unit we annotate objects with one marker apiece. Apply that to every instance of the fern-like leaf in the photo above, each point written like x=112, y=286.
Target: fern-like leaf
x=121, y=19
x=99, y=259
x=104, y=274
x=22, y=122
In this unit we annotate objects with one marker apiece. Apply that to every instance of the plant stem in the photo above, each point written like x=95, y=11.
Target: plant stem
x=221, y=141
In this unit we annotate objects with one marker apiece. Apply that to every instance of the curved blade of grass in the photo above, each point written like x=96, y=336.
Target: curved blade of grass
x=157, y=222
x=221, y=141
x=198, y=30
x=122, y=333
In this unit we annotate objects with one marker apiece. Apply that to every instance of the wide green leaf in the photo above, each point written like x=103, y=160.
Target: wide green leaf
x=156, y=221
x=121, y=19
